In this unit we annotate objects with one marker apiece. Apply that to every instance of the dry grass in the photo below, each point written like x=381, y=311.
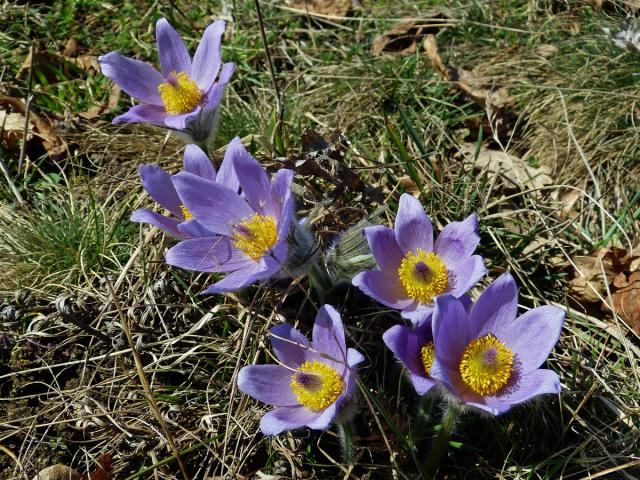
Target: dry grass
x=69, y=394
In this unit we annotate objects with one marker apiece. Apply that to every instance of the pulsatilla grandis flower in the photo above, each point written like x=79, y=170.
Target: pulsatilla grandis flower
x=489, y=357
x=158, y=184
x=249, y=229
x=312, y=384
x=185, y=96
x=414, y=348
x=413, y=271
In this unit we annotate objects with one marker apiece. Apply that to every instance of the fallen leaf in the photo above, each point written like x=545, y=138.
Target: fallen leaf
x=626, y=301
x=103, y=469
x=97, y=110
x=403, y=38
x=57, y=472
x=506, y=165
x=333, y=8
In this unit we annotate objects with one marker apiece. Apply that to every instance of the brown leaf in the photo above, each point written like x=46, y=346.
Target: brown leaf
x=103, y=469
x=97, y=110
x=403, y=38
x=626, y=302
x=333, y=8
x=57, y=472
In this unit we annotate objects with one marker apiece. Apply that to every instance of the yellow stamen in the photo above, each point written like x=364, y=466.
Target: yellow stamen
x=255, y=236
x=180, y=94
x=423, y=275
x=427, y=355
x=316, y=385
x=186, y=213
x=486, y=365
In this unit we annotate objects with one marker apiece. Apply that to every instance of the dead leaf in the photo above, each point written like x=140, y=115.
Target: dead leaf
x=103, y=469
x=12, y=112
x=333, y=8
x=626, y=301
x=403, y=38
x=547, y=50
x=57, y=472
x=97, y=110
x=506, y=165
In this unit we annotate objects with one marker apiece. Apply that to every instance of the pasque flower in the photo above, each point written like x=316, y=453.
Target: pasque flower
x=249, y=228
x=313, y=381
x=413, y=271
x=489, y=357
x=414, y=348
x=185, y=95
x=158, y=184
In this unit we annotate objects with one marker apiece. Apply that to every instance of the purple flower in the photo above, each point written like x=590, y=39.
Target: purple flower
x=311, y=384
x=488, y=358
x=185, y=96
x=414, y=348
x=249, y=229
x=413, y=271
x=158, y=184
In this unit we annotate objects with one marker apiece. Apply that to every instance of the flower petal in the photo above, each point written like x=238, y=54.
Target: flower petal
x=406, y=345
x=233, y=281
x=227, y=174
x=536, y=382
x=290, y=346
x=197, y=162
x=214, y=95
x=173, y=54
x=158, y=184
x=206, y=61
x=382, y=287
x=168, y=224
x=268, y=383
x=216, y=207
x=496, y=307
x=142, y=113
x=412, y=227
x=181, y=121
x=458, y=241
x=286, y=418
x=192, y=229
x=252, y=177
x=328, y=338
x=138, y=79
x=280, y=202
x=465, y=275
x=213, y=254
x=324, y=420
x=383, y=245
x=417, y=312
x=354, y=357
x=451, y=331
x=532, y=336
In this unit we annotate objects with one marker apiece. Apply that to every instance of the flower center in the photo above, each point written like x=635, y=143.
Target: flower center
x=255, y=236
x=186, y=213
x=486, y=365
x=423, y=275
x=427, y=355
x=316, y=385
x=180, y=94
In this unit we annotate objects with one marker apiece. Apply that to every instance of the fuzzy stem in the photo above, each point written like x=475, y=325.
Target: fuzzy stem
x=441, y=443
x=345, y=429
x=320, y=280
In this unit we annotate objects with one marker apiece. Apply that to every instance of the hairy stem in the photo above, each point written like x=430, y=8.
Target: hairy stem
x=441, y=443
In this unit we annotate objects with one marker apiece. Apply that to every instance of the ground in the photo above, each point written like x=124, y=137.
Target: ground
x=524, y=112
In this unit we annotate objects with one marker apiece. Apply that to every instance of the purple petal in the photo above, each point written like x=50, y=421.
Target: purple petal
x=216, y=207
x=268, y=383
x=214, y=254
x=497, y=306
x=383, y=245
x=168, y=224
x=354, y=357
x=451, y=331
x=290, y=346
x=383, y=287
x=466, y=274
x=532, y=336
x=138, y=79
x=457, y=241
x=227, y=175
x=328, y=338
x=214, y=95
x=192, y=229
x=180, y=121
x=197, y=162
x=206, y=61
x=173, y=54
x=252, y=177
x=286, y=418
x=536, y=382
x=324, y=420
x=158, y=184
x=280, y=201
x=234, y=281
x=417, y=312
x=406, y=346
x=142, y=113
x=412, y=227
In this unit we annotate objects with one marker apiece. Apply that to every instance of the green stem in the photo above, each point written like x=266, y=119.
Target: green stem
x=441, y=443
x=319, y=280
x=347, y=447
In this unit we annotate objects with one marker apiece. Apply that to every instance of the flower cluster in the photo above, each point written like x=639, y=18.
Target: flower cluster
x=240, y=222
